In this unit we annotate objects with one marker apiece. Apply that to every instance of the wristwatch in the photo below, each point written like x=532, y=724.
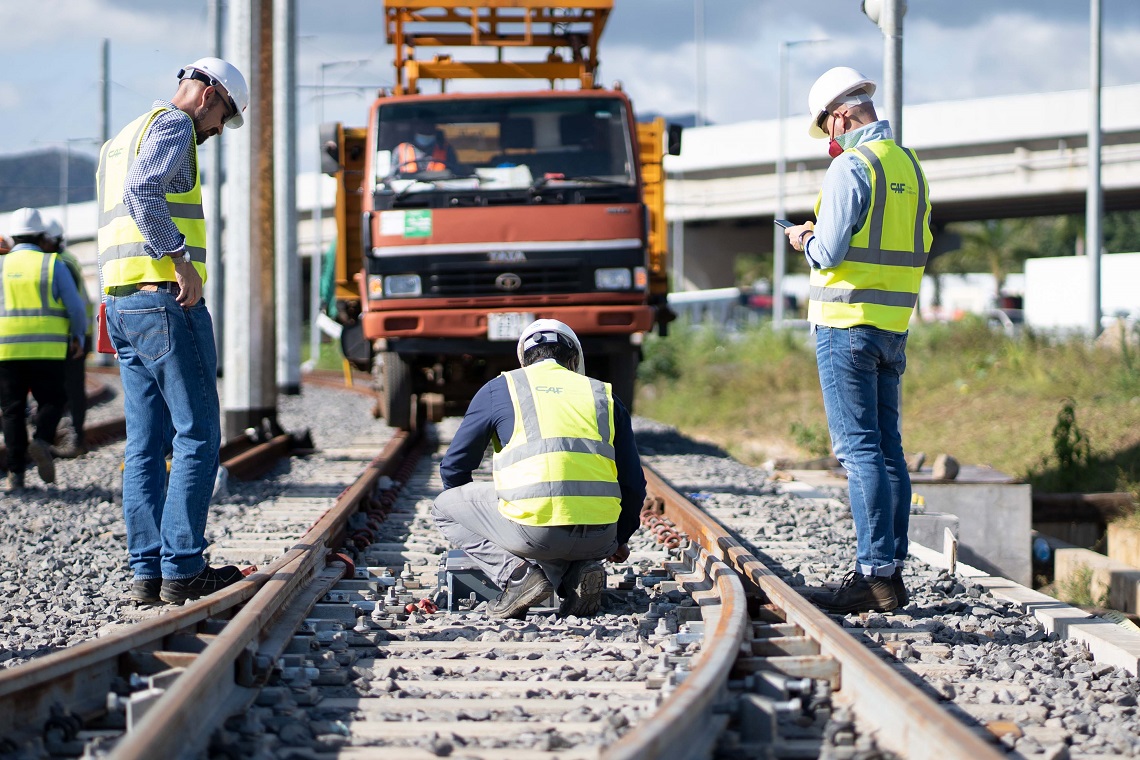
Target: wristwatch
x=183, y=259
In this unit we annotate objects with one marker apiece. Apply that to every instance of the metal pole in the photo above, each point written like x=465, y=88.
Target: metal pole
x=699, y=33
x=318, y=252
x=679, y=240
x=893, y=64
x=215, y=262
x=105, y=99
x=779, y=240
x=288, y=262
x=1094, y=200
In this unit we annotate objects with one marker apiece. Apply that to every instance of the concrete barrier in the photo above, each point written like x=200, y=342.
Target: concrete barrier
x=1112, y=583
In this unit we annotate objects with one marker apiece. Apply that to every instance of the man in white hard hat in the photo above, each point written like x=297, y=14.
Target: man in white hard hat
x=41, y=323
x=74, y=368
x=867, y=250
x=152, y=260
x=567, y=484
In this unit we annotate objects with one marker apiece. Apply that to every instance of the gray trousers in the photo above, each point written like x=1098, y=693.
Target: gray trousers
x=469, y=517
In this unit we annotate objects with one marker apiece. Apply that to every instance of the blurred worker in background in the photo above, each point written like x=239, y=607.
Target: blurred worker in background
x=867, y=251
x=567, y=483
x=428, y=151
x=41, y=323
x=152, y=258
x=74, y=368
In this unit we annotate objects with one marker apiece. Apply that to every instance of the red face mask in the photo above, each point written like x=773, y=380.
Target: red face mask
x=834, y=149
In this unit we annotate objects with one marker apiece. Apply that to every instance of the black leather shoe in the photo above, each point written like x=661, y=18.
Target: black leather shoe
x=581, y=589
x=858, y=593
x=206, y=582
x=526, y=586
x=146, y=591
x=900, y=588
x=40, y=453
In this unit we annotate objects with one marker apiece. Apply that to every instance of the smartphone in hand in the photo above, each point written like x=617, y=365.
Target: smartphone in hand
x=785, y=223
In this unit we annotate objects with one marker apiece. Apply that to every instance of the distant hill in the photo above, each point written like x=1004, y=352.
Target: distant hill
x=33, y=178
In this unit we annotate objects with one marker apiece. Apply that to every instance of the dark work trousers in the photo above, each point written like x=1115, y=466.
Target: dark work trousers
x=74, y=381
x=43, y=378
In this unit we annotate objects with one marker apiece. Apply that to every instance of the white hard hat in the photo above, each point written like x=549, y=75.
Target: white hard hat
x=54, y=229
x=215, y=71
x=831, y=88
x=26, y=221
x=548, y=331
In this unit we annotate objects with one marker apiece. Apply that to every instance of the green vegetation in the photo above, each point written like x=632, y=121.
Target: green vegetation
x=1060, y=413
x=1077, y=590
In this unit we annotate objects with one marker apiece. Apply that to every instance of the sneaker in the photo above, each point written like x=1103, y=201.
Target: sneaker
x=858, y=593
x=14, y=483
x=206, y=582
x=526, y=586
x=40, y=453
x=581, y=589
x=146, y=591
x=900, y=588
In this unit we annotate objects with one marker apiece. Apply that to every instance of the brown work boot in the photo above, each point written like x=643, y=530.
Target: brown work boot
x=40, y=453
x=206, y=582
x=526, y=587
x=858, y=593
x=581, y=589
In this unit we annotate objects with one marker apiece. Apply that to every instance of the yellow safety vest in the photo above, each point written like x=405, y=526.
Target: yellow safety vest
x=123, y=259
x=33, y=322
x=877, y=282
x=558, y=467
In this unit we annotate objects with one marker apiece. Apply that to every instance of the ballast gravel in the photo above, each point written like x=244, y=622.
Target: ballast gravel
x=1062, y=700
x=63, y=554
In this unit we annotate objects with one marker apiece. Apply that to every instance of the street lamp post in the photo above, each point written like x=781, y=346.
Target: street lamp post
x=779, y=240
x=318, y=253
x=888, y=15
x=1094, y=199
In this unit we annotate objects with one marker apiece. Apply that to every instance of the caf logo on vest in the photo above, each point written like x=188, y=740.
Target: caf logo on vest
x=898, y=187
x=548, y=389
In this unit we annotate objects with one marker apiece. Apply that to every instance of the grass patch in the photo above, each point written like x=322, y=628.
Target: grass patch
x=1077, y=590
x=968, y=391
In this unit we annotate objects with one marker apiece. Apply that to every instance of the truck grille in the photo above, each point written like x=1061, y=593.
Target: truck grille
x=471, y=279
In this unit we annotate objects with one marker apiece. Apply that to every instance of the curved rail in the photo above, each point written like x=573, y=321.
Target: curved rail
x=80, y=677
x=904, y=719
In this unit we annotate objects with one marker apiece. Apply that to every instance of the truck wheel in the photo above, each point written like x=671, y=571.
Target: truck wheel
x=622, y=374
x=396, y=394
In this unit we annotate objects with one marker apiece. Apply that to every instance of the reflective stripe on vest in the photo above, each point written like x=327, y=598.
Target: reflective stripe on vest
x=33, y=322
x=878, y=280
x=123, y=259
x=558, y=468
x=408, y=158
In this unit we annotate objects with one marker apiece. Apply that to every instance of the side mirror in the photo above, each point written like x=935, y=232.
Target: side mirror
x=330, y=133
x=673, y=140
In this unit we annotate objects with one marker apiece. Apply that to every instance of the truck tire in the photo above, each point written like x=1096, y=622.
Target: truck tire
x=396, y=393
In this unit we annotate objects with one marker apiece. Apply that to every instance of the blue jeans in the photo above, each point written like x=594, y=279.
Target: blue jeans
x=860, y=371
x=168, y=364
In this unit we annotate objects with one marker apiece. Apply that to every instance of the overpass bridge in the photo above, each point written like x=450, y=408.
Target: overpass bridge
x=989, y=158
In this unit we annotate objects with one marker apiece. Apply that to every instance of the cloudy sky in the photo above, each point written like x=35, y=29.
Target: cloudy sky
x=953, y=49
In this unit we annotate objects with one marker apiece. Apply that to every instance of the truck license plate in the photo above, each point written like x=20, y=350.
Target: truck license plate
x=508, y=325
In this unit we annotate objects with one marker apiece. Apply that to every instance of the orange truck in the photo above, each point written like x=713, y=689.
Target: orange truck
x=463, y=217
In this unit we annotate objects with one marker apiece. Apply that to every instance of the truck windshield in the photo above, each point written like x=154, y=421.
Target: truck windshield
x=503, y=144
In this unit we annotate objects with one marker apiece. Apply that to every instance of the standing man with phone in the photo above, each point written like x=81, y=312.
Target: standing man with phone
x=867, y=253
x=152, y=258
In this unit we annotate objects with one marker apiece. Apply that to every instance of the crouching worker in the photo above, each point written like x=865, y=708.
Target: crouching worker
x=568, y=486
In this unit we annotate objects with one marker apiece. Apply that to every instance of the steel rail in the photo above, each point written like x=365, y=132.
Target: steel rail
x=191, y=701
x=79, y=678
x=677, y=728
x=903, y=718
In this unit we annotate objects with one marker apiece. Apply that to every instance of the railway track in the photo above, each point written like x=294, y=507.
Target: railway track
x=336, y=648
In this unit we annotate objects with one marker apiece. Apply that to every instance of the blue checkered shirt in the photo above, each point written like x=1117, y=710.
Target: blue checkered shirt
x=165, y=164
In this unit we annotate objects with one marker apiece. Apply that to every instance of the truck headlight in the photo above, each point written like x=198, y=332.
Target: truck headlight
x=397, y=285
x=612, y=279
